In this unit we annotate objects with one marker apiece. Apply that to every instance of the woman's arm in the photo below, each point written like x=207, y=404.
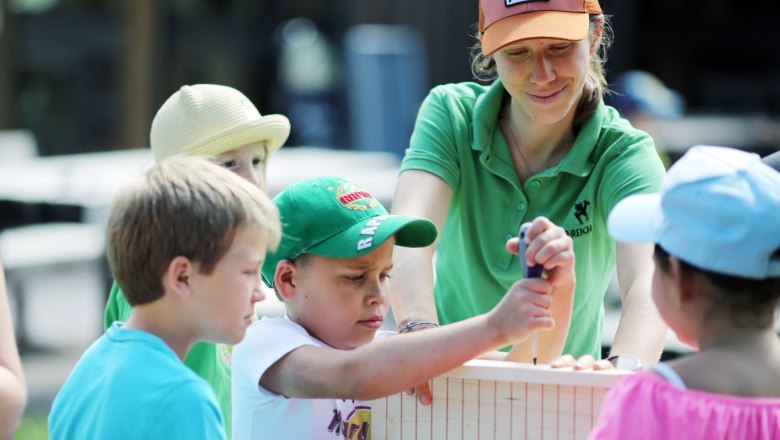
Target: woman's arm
x=417, y=194
x=13, y=392
x=641, y=331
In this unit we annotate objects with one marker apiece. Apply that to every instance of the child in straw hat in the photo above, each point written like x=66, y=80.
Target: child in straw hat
x=222, y=124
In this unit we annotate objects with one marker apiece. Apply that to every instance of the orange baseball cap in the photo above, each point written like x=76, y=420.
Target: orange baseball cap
x=502, y=22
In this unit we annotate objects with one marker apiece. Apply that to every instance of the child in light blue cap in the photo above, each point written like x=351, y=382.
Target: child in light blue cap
x=716, y=226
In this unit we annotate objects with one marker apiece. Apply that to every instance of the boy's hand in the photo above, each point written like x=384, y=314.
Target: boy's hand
x=423, y=392
x=524, y=309
x=551, y=247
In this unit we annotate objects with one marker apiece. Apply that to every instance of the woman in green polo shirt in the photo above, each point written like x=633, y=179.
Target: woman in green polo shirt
x=536, y=142
x=220, y=123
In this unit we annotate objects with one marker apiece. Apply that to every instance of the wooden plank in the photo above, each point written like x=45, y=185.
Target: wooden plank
x=454, y=408
x=487, y=409
x=470, y=408
x=519, y=420
x=379, y=416
x=409, y=415
x=424, y=421
x=550, y=415
x=503, y=410
x=440, y=389
x=566, y=411
x=393, y=423
x=533, y=410
x=583, y=418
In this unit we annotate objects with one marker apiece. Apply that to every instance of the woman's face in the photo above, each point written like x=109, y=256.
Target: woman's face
x=248, y=161
x=545, y=77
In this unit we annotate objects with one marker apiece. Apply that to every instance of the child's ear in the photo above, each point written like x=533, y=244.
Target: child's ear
x=178, y=277
x=687, y=284
x=285, y=279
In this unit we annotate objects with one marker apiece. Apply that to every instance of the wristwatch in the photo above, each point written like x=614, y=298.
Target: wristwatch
x=625, y=362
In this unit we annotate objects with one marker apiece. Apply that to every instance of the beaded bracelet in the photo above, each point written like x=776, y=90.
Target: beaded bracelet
x=413, y=324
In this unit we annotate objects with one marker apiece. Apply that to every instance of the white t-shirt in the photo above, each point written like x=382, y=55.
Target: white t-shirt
x=261, y=414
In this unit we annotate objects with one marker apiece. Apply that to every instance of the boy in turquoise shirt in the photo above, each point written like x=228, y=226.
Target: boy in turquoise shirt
x=186, y=244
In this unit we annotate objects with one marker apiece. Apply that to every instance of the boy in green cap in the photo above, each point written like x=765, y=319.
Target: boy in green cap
x=312, y=373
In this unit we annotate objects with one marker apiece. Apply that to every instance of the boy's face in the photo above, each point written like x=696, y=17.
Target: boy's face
x=343, y=301
x=225, y=298
x=247, y=161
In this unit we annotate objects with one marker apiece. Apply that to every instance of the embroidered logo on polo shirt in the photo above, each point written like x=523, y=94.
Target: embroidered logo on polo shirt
x=352, y=197
x=581, y=214
x=581, y=211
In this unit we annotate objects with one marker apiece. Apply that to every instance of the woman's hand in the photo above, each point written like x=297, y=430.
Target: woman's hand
x=585, y=362
x=549, y=246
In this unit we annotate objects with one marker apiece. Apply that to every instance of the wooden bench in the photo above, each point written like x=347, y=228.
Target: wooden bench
x=30, y=251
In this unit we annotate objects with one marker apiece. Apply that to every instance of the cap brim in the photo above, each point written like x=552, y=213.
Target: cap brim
x=773, y=160
x=572, y=26
x=408, y=231
x=275, y=129
x=636, y=219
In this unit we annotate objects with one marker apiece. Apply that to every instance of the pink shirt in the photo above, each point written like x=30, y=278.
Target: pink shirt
x=645, y=405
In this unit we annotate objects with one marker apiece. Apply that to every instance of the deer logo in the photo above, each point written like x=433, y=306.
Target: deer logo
x=581, y=210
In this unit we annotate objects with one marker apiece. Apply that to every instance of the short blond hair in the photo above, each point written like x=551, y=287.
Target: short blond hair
x=182, y=206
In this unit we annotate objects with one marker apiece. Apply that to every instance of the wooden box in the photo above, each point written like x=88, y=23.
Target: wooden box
x=497, y=400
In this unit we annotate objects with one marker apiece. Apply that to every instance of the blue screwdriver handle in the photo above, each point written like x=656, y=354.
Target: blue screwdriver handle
x=534, y=271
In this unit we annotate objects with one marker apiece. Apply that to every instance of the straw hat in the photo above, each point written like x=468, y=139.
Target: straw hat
x=209, y=119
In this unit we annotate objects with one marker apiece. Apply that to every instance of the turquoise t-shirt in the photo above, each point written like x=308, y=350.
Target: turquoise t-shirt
x=210, y=361
x=457, y=138
x=129, y=384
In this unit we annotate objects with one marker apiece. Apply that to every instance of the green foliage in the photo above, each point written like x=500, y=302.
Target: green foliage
x=33, y=427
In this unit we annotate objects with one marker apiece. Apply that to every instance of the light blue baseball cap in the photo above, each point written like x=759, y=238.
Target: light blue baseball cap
x=719, y=210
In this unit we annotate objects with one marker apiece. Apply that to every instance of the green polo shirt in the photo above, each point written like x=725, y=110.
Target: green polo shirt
x=207, y=360
x=456, y=137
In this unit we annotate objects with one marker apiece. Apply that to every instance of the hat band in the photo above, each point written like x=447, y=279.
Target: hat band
x=494, y=11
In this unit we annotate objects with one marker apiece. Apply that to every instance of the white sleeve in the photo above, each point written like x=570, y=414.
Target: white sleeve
x=266, y=341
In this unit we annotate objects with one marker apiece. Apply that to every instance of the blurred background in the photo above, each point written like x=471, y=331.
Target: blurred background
x=87, y=75
x=80, y=81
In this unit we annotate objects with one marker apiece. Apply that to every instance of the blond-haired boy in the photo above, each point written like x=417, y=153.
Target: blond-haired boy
x=185, y=243
x=312, y=373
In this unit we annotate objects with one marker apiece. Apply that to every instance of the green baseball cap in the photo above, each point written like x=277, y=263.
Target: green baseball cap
x=333, y=217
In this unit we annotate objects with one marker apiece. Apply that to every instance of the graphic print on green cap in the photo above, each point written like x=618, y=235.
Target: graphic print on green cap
x=333, y=217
